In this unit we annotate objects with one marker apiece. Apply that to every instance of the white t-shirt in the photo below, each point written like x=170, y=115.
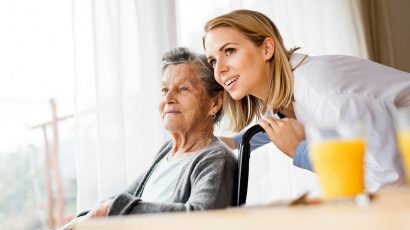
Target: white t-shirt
x=164, y=178
x=331, y=89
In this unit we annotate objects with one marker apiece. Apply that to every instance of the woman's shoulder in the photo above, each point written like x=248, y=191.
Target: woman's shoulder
x=327, y=73
x=217, y=150
x=326, y=63
x=337, y=73
x=339, y=65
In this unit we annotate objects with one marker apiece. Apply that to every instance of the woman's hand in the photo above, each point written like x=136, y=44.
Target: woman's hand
x=73, y=222
x=285, y=133
x=99, y=211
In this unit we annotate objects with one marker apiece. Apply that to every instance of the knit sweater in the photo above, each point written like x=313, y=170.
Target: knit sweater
x=207, y=181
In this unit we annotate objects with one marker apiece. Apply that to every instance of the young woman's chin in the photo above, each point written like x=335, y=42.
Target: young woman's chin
x=237, y=95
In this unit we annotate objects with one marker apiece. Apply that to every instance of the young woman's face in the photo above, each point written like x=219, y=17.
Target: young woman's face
x=239, y=66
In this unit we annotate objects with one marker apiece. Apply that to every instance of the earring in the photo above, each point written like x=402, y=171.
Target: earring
x=213, y=116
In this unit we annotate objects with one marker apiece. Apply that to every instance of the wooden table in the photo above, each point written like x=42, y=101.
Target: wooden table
x=389, y=210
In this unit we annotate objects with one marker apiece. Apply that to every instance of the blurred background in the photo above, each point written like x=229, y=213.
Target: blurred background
x=79, y=88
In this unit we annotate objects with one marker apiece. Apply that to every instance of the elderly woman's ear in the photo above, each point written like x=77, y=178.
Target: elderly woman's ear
x=216, y=104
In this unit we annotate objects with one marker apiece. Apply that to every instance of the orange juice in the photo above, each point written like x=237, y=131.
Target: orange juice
x=340, y=166
x=404, y=146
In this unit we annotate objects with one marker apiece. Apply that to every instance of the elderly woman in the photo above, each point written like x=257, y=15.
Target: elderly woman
x=194, y=170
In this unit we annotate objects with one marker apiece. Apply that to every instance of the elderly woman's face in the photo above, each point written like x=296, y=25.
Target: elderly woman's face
x=185, y=104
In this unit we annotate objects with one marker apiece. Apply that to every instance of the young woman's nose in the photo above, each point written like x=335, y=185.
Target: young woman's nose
x=220, y=66
x=220, y=69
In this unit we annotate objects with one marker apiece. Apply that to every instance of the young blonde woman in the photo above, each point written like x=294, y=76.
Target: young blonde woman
x=261, y=77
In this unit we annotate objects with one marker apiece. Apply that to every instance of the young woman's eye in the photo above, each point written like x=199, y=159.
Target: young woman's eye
x=229, y=51
x=212, y=62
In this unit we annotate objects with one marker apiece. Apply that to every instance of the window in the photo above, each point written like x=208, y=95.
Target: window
x=37, y=64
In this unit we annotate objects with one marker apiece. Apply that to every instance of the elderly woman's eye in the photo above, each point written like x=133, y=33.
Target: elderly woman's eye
x=229, y=51
x=184, y=88
x=164, y=90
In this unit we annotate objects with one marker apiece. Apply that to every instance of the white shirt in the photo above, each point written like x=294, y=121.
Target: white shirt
x=331, y=89
x=163, y=180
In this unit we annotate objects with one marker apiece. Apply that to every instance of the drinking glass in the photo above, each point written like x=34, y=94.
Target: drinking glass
x=337, y=155
x=402, y=122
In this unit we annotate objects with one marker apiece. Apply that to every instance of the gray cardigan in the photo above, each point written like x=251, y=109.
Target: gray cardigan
x=207, y=181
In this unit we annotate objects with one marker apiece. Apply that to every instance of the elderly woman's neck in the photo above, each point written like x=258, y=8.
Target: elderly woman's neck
x=187, y=143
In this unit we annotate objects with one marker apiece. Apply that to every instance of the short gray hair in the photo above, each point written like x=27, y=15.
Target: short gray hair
x=182, y=55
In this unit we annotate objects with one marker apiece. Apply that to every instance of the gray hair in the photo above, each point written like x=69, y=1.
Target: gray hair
x=181, y=55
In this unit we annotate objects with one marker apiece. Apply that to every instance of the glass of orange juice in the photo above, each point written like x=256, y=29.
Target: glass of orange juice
x=337, y=155
x=402, y=121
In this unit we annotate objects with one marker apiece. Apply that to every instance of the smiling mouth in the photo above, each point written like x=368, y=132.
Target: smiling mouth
x=229, y=82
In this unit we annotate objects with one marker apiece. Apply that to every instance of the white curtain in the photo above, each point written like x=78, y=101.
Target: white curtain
x=118, y=49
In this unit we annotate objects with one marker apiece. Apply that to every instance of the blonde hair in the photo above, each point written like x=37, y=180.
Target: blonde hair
x=257, y=27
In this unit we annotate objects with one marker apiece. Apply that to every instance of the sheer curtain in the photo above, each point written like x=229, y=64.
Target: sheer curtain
x=118, y=49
